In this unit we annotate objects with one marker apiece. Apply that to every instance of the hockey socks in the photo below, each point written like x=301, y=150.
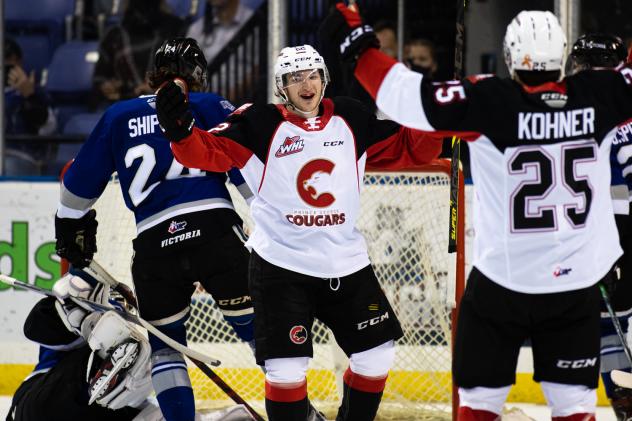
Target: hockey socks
x=286, y=403
x=361, y=397
x=468, y=414
x=170, y=377
x=576, y=417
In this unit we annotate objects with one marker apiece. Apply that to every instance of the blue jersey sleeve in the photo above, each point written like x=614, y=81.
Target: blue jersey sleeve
x=90, y=172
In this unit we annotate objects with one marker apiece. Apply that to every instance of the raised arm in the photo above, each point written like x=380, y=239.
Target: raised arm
x=397, y=147
x=217, y=150
x=400, y=93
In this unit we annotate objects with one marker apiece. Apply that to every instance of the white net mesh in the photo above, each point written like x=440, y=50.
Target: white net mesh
x=404, y=219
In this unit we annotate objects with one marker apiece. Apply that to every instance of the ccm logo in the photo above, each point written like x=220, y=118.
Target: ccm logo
x=334, y=143
x=583, y=363
x=373, y=321
x=235, y=301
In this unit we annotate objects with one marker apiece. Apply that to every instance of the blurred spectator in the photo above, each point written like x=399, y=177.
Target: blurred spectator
x=386, y=32
x=126, y=51
x=27, y=108
x=221, y=21
x=420, y=57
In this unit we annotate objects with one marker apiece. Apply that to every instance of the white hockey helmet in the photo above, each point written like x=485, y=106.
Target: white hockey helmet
x=535, y=41
x=295, y=59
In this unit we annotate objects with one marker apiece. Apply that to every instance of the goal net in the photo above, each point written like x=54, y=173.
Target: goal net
x=404, y=218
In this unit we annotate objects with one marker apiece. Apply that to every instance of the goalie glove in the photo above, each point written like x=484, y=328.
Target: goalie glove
x=172, y=108
x=77, y=283
x=123, y=378
x=77, y=238
x=344, y=27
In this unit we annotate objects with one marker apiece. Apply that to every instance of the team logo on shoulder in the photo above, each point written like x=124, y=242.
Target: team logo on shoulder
x=176, y=226
x=227, y=105
x=561, y=271
x=298, y=334
x=314, y=183
x=290, y=145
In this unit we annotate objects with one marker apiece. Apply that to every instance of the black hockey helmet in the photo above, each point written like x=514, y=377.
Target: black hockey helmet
x=597, y=50
x=180, y=57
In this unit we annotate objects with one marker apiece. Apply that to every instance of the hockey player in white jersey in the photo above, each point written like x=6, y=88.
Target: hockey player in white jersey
x=604, y=51
x=304, y=161
x=545, y=229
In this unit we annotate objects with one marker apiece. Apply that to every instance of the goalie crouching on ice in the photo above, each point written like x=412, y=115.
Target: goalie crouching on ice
x=84, y=357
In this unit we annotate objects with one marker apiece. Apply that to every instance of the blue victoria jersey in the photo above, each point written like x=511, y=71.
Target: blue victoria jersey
x=155, y=186
x=621, y=164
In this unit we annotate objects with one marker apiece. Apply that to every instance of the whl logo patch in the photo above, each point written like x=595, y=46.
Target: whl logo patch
x=290, y=146
x=176, y=226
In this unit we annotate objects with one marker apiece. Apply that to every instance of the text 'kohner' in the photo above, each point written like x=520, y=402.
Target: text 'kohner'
x=556, y=124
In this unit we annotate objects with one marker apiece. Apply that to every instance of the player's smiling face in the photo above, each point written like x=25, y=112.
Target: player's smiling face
x=304, y=89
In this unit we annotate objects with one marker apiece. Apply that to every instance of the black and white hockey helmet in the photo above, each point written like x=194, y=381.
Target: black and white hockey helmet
x=182, y=57
x=597, y=50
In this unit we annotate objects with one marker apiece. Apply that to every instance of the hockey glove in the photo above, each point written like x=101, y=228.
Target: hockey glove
x=174, y=116
x=77, y=284
x=344, y=27
x=77, y=238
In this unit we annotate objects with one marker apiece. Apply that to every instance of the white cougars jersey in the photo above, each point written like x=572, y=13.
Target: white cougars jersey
x=540, y=164
x=306, y=176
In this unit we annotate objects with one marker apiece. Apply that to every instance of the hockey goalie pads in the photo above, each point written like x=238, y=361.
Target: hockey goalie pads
x=124, y=376
x=77, y=284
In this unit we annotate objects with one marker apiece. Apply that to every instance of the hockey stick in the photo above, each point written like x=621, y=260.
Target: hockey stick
x=620, y=378
x=456, y=145
x=127, y=316
x=101, y=275
x=97, y=271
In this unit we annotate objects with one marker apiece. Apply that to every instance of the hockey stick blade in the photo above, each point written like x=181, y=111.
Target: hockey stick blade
x=127, y=316
x=621, y=378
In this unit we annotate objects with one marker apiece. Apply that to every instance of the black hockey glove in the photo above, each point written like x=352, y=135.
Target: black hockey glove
x=344, y=27
x=174, y=116
x=77, y=238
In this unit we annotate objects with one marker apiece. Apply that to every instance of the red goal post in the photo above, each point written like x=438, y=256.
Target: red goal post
x=403, y=218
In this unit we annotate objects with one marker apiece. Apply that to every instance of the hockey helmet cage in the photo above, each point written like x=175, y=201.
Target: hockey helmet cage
x=184, y=58
x=597, y=50
x=535, y=41
x=295, y=59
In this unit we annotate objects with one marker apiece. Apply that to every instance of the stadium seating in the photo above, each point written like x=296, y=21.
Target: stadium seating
x=39, y=26
x=81, y=124
x=70, y=78
x=19, y=164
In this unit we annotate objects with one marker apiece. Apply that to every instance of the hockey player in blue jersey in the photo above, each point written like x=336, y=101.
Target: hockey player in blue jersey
x=187, y=228
x=604, y=51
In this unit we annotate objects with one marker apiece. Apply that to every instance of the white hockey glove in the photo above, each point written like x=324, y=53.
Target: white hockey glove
x=77, y=284
x=124, y=377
